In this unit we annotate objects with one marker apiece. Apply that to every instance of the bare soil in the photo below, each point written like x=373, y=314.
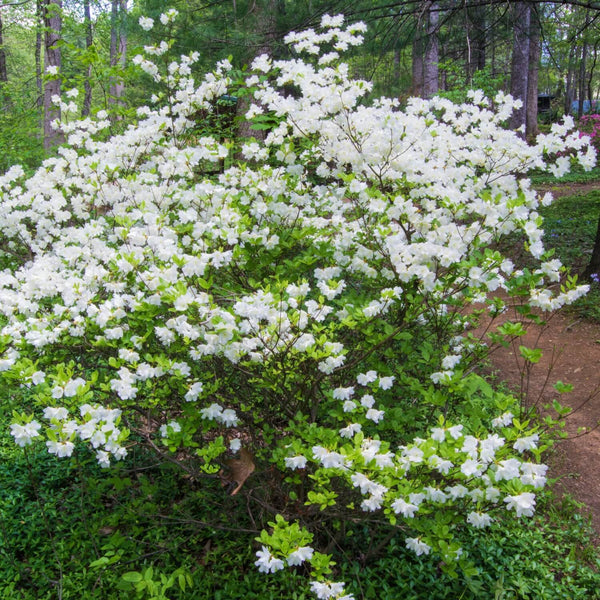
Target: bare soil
x=571, y=354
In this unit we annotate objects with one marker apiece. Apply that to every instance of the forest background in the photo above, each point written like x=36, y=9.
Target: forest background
x=419, y=48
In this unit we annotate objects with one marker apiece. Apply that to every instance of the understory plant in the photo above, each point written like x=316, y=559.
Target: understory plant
x=288, y=315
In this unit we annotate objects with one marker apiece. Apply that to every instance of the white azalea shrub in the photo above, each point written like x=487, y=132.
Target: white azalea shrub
x=303, y=298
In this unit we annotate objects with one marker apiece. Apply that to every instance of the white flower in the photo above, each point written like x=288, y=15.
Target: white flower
x=214, y=411
x=38, y=377
x=417, y=546
x=295, y=462
x=407, y=509
x=374, y=415
x=504, y=420
x=146, y=23
x=343, y=393
x=24, y=434
x=507, y=469
x=228, y=417
x=194, y=391
x=526, y=443
x=72, y=386
x=349, y=406
x=366, y=378
x=103, y=458
x=329, y=589
x=298, y=556
x=169, y=16
x=350, y=430
x=524, y=504
x=438, y=434
x=235, y=444
x=55, y=413
x=367, y=401
x=61, y=449
x=471, y=467
x=266, y=562
x=173, y=425
x=385, y=383
x=479, y=520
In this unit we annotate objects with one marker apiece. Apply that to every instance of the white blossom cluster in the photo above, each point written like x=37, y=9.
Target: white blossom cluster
x=137, y=252
x=97, y=426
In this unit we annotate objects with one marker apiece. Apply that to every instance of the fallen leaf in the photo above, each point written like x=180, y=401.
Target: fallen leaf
x=240, y=469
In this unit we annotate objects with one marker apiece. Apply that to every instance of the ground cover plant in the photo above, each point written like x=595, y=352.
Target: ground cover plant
x=281, y=320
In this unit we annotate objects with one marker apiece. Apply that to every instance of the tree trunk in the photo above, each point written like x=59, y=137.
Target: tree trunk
x=417, y=59
x=3, y=71
x=38, y=54
x=520, y=62
x=52, y=34
x=581, y=80
x=89, y=40
x=266, y=28
x=476, y=39
x=532, y=76
x=570, y=82
x=118, y=48
x=431, y=59
x=593, y=267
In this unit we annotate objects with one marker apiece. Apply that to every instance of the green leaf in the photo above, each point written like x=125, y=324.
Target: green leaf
x=132, y=577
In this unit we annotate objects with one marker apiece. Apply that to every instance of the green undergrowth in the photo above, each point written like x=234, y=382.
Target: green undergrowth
x=72, y=531
x=576, y=175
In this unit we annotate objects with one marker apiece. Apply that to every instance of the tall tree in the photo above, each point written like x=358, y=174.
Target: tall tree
x=432, y=57
x=531, y=108
x=89, y=40
x=118, y=48
x=521, y=14
x=3, y=71
x=52, y=11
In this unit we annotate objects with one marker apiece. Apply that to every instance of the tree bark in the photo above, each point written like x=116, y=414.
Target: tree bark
x=475, y=24
x=3, y=71
x=38, y=54
x=570, y=81
x=593, y=267
x=581, y=80
x=532, y=76
x=431, y=59
x=52, y=34
x=266, y=28
x=89, y=40
x=418, y=45
x=520, y=62
x=118, y=49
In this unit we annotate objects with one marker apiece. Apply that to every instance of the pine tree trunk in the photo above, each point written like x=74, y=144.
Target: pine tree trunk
x=3, y=71
x=431, y=59
x=52, y=34
x=520, y=62
x=570, y=82
x=266, y=28
x=118, y=49
x=581, y=80
x=593, y=267
x=38, y=55
x=532, y=76
x=417, y=60
x=89, y=40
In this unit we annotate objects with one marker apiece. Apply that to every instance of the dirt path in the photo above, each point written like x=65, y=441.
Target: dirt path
x=571, y=354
